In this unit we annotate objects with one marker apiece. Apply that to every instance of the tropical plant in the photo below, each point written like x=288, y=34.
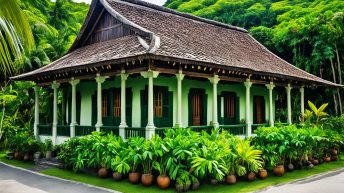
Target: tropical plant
x=319, y=113
x=248, y=157
x=151, y=151
x=269, y=155
x=68, y=154
x=48, y=145
x=135, y=148
x=120, y=163
x=15, y=29
x=209, y=161
x=7, y=97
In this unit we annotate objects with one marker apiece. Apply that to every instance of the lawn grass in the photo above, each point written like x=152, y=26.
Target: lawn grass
x=18, y=163
x=240, y=187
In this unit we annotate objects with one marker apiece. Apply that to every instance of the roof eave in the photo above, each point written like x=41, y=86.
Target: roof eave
x=32, y=77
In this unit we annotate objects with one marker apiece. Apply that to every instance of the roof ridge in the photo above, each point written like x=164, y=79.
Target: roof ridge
x=185, y=15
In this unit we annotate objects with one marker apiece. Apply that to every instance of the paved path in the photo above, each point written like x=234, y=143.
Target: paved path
x=332, y=182
x=15, y=180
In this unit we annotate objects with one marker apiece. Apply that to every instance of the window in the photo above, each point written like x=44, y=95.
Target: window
x=105, y=106
x=158, y=104
x=117, y=105
x=229, y=101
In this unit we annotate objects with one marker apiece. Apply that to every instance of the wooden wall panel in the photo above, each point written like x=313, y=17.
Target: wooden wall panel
x=108, y=28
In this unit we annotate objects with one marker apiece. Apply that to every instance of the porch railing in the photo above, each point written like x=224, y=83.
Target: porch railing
x=135, y=132
x=161, y=131
x=45, y=130
x=81, y=130
x=110, y=129
x=63, y=130
x=201, y=128
x=234, y=129
x=256, y=126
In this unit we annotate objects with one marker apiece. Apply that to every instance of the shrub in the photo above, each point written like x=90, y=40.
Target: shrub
x=185, y=155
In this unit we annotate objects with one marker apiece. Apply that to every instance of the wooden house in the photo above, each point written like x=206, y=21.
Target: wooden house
x=136, y=68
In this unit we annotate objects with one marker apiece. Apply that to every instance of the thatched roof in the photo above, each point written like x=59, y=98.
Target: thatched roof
x=165, y=33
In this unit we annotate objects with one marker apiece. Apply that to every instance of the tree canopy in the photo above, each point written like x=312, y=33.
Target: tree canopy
x=54, y=26
x=307, y=33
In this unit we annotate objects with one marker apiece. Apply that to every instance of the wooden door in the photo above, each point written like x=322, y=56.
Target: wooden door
x=197, y=107
x=196, y=110
x=229, y=107
x=259, y=110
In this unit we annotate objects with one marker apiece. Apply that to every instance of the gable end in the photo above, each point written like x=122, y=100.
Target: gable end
x=107, y=28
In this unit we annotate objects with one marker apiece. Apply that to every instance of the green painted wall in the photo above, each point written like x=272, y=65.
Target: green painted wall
x=86, y=89
x=138, y=83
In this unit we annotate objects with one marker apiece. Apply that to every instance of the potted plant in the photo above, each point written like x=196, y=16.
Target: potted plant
x=327, y=158
x=270, y=159
x=103, y=171
x=26, y=150
x=185, y=180
x=279, y=170
x=262, y=174
x=163, y=179
x=120, y=166
x=104, y=149
x=48, y=149
x=37, y=155
x=179, y=185
x=195, y=183
x=135, y=158
x=251, y=176
x=249, y=158
x=209, y=161
x=233, y=168
x=151, y=151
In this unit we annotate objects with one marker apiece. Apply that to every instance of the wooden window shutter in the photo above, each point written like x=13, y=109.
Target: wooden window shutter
x=78, y=107
x=105, y=103
x=94, y=109
x=128, y=105
x=204, y=109
x=117, y=104
x=158, y=103
x=237, y=110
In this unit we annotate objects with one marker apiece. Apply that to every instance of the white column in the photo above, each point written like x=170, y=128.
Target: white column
x=55, y=86
x=179, y=122
x=100, y=80
x=222, y=102
x=302, y=92
x=150, y=128
x=73, y=108
x=123, y=123
x=288, y=89
x=248, y=85
x=215, y=80
x=270, y=87
x=36, y=123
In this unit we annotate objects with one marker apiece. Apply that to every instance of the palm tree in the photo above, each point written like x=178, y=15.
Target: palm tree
x=15, y=38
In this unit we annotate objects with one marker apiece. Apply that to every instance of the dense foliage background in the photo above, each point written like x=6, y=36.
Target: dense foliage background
x=54, y=26
x=307, y=33
x=33, y=33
